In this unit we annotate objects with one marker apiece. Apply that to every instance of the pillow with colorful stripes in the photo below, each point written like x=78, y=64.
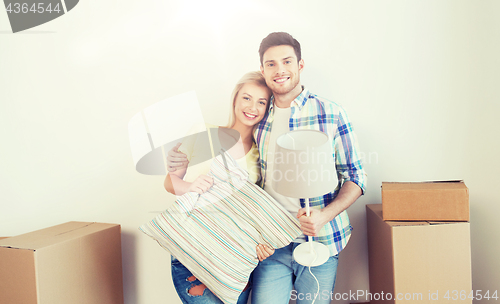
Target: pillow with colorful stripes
x=215, y=234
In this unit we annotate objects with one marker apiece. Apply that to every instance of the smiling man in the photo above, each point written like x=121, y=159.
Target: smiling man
x=293, y=107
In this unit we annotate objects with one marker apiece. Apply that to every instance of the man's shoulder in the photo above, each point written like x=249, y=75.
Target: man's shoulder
x=328, y=105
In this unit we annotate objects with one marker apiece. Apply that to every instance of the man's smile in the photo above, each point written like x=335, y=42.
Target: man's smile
x=281, y=79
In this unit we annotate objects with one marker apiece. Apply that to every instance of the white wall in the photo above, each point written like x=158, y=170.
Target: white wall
x=418, y=78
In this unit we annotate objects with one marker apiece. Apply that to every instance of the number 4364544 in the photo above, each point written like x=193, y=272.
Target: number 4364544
x=36, y=8
x=475, y=295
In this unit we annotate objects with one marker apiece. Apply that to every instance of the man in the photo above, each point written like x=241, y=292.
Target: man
x=294, y=107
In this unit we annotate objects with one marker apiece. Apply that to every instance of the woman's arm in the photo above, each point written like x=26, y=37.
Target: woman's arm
x=176, y=185
x=177, y=163
x=174, y=182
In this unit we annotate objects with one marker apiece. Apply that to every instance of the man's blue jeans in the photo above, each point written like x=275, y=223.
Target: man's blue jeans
x=275, y=277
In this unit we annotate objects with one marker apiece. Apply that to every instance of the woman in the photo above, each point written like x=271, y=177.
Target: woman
x=250, y=102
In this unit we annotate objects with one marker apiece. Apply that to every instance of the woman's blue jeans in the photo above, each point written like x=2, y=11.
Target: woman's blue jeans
x=181, y=278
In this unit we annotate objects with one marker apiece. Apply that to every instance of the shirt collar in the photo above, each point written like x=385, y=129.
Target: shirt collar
x=300, y=100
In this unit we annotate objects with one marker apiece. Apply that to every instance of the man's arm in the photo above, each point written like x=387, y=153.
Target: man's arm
x=176, y=160
x=350, y=168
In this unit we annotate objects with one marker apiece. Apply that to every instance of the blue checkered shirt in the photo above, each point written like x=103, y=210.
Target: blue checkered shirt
x=309, y=111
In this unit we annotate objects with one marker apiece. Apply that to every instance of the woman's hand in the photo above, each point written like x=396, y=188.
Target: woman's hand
x=263, y=252
x=201, y=184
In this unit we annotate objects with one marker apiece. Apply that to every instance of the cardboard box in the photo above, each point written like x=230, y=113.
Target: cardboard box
x=425, y=201
x=417, y=262
x=76, y=262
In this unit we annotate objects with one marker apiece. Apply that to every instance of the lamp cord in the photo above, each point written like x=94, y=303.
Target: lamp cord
x=317, y=282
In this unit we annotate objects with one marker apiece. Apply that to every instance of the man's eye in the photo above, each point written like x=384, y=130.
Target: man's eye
x=288, y=62
x=270, y=65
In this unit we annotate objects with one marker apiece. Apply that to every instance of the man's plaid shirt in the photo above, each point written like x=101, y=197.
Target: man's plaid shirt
x=309, y=111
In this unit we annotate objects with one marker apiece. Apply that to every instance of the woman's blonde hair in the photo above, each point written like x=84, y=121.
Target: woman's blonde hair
x=250, y=77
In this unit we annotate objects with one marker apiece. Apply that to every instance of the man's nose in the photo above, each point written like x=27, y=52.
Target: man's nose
x=281, y=68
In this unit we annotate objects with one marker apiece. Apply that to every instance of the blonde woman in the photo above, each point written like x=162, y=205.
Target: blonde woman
x=249, y=104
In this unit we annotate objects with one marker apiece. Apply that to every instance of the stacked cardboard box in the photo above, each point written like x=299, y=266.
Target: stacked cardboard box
x=76, y=262
x=417, y=257
x=425, y=201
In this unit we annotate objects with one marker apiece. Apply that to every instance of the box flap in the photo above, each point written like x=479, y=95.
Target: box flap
x=380, y=251
x=18, y=276
x=427, y=185
x=46, y=237
x=432, y=181
x=406, y=223
x=434, y=223
x=377, y=210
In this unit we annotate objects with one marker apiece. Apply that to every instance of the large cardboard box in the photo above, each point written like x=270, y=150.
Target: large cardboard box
x=418, y=262
x=75, y=262
x=425, y=201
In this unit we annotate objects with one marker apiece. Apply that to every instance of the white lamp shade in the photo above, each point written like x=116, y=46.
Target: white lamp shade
x=304, y=165
x=156, y=129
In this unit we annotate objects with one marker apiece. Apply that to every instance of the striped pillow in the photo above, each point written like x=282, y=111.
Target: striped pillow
x=215, y=234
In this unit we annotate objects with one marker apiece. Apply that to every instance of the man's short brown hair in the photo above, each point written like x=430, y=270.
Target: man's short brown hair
x=279, y=38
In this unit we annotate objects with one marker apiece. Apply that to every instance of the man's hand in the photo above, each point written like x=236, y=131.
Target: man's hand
x=263, y=252
x=201, y=184
x=176, y=160
x=312, y=224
